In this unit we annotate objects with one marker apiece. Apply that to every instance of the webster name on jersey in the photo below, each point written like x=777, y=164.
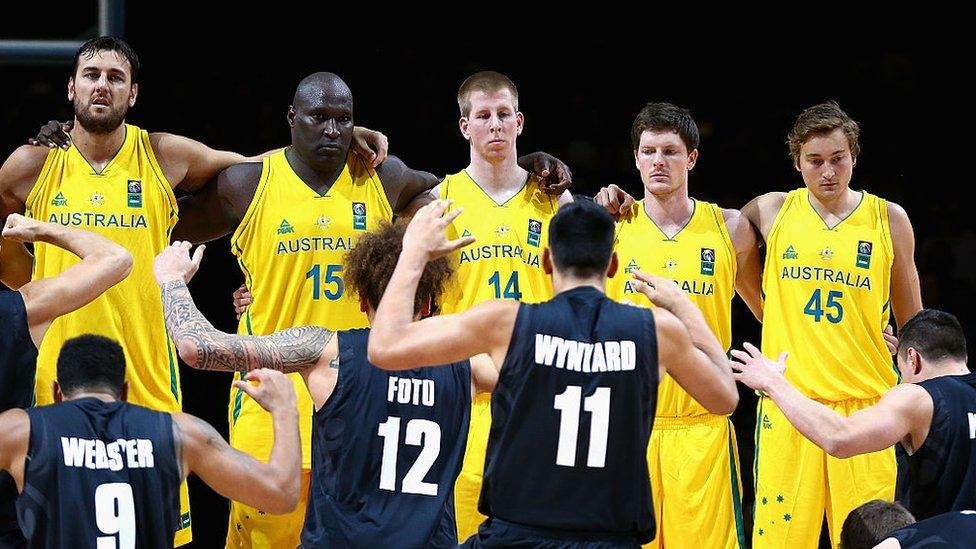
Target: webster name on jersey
x=96, y=454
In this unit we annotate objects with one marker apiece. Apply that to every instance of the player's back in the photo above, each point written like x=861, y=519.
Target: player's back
x=386, y=448
x=940, y=476
x=957, y=529
x=100, y=474
x=572, y=415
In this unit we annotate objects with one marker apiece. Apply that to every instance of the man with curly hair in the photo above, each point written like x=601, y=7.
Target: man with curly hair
x=383, y=443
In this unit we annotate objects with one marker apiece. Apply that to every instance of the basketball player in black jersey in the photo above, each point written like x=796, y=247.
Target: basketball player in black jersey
x=574, y=402
x=887, y=525
x=26, y=314
x=931, y=415
x=95, y=471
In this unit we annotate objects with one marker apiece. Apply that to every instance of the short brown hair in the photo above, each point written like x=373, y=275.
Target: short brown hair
x=369, y=266
x=820, y=120
x=484, y=81
x=870, y=524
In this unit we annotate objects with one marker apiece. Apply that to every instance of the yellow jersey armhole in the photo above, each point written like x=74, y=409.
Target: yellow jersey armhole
x=723, y=229
x=154, y=164
x=37, y=190
x=377, y=183
x=787, y=203
x=253, y=206
x=885, y=227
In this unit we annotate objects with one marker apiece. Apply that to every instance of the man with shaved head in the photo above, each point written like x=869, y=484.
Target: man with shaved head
x=294, y=216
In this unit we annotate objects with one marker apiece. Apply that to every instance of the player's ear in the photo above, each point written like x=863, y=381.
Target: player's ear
x=133, y=93
x=519, y=122
x=56, y=391
x=291, y=116
x=614, y=264
x=463, y=124
x=547, y=260
x=692, y=158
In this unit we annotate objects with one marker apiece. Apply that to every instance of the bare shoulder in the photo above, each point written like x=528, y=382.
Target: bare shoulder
x=897, y=214
x=193, y=429
x=766, y=203
x=665, y=323
x=565, y=198
x=740, y=229
x=21, y=169
x=14, y=429
x=243, y=173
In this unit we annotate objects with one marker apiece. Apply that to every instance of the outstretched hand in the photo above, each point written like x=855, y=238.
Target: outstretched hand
x=53, y=134
x=175, y=262
x=426, y=232
x=754, y=370
x=615, y=200
x=274, y=391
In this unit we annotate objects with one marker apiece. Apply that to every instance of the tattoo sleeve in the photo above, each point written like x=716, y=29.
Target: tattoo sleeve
x=290, y=350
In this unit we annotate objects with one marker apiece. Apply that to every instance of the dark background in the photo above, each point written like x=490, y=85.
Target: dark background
x=229, y=84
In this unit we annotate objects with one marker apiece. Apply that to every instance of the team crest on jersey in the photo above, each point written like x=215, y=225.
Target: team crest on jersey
x=670, y=265
x=359, y=216
x=863, y=254
x=827, y=254
x=322, y=222
x=59, y=200
x=502, y=231
x=708, y=261
x=535, y=232
x=790, y=253
x=631, y=267
x=134, y=189
x=285, y=227
x=97, y=198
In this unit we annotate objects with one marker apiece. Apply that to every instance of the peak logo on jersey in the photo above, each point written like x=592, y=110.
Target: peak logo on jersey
x=790, y=253
x=766, y=424
x=708, y=261
x=134, y=189
x=285, y=227
x=827, y=254
x=631, y=267
x=863, y=254
x=322, y=222
x=359, y=216
x=466, y=233
x=59, y=200
x=535, y=232
x=97, y=198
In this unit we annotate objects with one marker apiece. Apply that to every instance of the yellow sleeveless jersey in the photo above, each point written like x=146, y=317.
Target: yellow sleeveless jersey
x=700, y=259
x=131, y=203
x=826, y=294
x=290, y=246
x=506, y=260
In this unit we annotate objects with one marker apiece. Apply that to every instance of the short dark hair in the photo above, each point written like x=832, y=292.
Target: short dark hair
x=91, y=362
x=820, y=120
x=369, y=266
x=581, y=238
x=109, y=43
x=665, y=117
x=936, y=335
x=870, y=524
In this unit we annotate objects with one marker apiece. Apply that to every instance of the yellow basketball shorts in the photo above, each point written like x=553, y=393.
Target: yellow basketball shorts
x=797, y=482
x=694, y=467
x=248, y=527
x=467, y=489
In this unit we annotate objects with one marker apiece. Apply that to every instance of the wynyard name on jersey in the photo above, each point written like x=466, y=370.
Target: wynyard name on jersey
x=96, y=454
x=495, y=251
x=579, y=356
x=406, y=390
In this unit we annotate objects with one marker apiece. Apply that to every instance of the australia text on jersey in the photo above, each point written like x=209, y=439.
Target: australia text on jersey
x=92, y=219
x=495, y=251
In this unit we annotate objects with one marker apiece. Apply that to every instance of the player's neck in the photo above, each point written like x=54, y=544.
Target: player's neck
x=564, y=282
x=502, y=177
x=841, y=205
x=97, y=148
x=950, y=368
x=669, y=211
x=319, y=178
x=104, y=397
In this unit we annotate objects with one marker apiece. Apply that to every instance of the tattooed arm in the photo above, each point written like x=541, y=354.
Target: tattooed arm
x=272, y=487
x=204, y=347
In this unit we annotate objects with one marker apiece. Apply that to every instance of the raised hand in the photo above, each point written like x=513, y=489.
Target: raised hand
x=53, y=134
x=274, y=391
x=372, y=145
x=755, y=370
x=426, y=232
x=175, y=262
x=617, y=202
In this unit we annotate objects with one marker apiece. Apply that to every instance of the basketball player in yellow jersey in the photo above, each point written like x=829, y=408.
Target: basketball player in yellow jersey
x=508, y=211
x=294, y=216
x=839, y=262
x=117, y=180
x=711, y=253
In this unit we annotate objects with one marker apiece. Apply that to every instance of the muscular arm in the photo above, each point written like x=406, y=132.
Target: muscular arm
x=103, y=265
x=402, y=183
x=17, y=177
x=904, y=410
x=14, y=440
x=204, y=347
x=762, y=211
x=906, y=296
x=189, y=164
x=272, y=487
x=690, y=353
x=748, y=276
x=217, y=209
